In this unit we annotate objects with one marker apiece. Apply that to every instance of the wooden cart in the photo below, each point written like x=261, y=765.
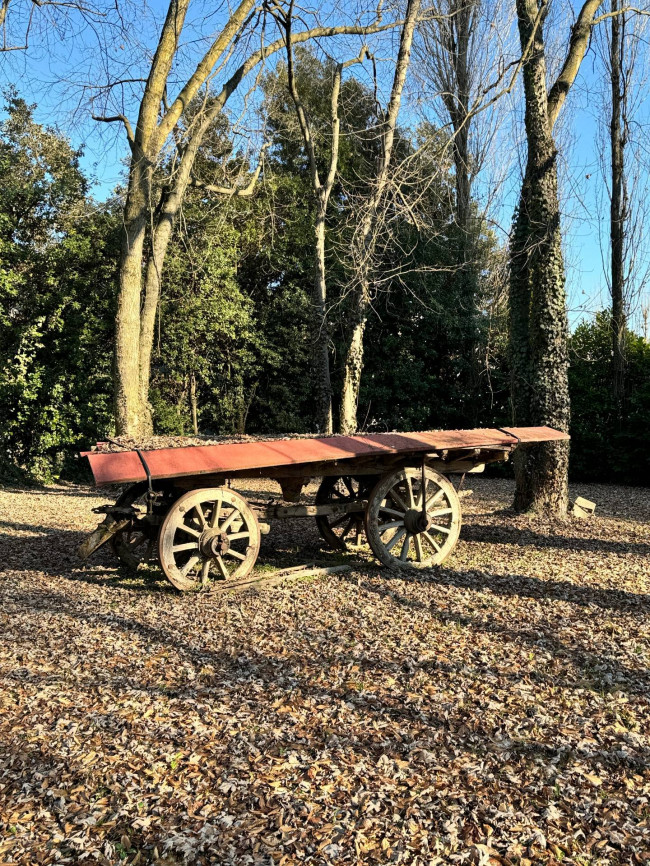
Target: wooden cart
x=180, y=504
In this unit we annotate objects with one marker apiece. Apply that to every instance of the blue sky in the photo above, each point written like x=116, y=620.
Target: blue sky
x=52, y=74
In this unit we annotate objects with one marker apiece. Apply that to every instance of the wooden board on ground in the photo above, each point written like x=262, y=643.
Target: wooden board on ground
x=297, y=572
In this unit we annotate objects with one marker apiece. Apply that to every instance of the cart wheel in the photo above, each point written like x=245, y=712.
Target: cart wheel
x=397, y=531
x=136, y=544
x=208, y=533
x=338, y=531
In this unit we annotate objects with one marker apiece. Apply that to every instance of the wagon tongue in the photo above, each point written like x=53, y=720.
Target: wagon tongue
x=117, y=518
x=104, y=532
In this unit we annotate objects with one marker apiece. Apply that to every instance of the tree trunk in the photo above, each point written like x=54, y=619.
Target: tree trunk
x=321, y=368
x=194, y=404
x=538, y=316
x=129, y=417
x=617, y=211
x=162, y=229
x=353, y=367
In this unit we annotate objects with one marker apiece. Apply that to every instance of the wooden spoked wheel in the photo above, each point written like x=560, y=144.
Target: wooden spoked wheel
x=339, y=531
x=208, y=534
x=136, y=544
x=399, y=533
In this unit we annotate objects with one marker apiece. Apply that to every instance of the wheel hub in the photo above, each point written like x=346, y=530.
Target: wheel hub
x=214, y=543
x=416, y=522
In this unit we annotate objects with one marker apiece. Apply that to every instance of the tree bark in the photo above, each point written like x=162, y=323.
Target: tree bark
x=129, y=416
x=538, y=315
x=617, y=209
x=354, y=364
x=322, y=190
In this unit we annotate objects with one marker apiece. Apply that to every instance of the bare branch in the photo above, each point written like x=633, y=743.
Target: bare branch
x=237, y=192
x=623, y=11
x=113, y=119
x=179, y=104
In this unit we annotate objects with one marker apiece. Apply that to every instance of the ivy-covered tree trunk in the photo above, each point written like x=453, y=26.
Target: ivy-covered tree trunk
x=538, y=315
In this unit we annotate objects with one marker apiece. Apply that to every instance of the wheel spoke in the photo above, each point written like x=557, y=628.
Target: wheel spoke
x=339, y=521
x=216, y=514
x=189, y=565
x=405, y=548
x=409, y=488
x=236, y=535
x=205, y=571
x=348, y=483
x=222, y=568
x=435, y=498
x=392, y=512
x=235, y=553
x=440, y=512
x=397, y=499
x=445, y=529
x=399, y=534
x=384, y=526
x=419, y=553
x=231, y=517
x=201, y=515
x=190, y=530
x=433, y=543
x=190, y=545
x=348, y=527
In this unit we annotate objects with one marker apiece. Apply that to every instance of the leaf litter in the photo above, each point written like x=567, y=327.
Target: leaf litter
x=490, y=711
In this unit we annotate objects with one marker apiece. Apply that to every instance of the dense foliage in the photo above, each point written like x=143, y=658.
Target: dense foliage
x=58, y=253
x=235, y=323
x=608, y=444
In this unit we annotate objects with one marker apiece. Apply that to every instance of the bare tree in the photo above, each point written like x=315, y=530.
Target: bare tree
x=457, y=50
x=322, y=190
x=364, y=240
x=618, y=203
x=159, y=121
x=624, y=165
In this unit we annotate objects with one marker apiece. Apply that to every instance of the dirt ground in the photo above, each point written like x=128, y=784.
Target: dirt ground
x=490, y=711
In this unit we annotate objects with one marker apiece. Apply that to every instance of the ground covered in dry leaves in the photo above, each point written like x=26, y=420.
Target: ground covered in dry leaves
x=491, y=711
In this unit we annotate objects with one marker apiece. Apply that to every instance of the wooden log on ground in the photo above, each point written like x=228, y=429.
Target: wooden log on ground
x=276, y=577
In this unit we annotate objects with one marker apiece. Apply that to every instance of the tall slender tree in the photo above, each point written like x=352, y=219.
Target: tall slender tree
x=538, y=313
x=364, y=241
x=618, y=200
x=322, y=189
